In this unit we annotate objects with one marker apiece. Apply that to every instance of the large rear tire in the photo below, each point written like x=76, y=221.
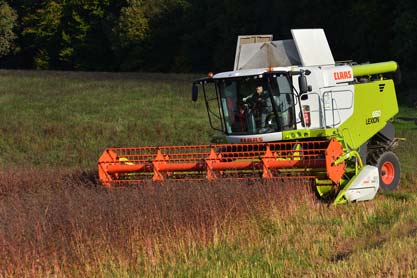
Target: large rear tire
x=389, y=171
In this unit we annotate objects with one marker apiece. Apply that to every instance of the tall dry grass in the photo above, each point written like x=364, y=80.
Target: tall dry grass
x=58, y=223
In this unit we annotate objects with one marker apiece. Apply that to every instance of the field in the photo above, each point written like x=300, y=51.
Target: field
x=57, y=221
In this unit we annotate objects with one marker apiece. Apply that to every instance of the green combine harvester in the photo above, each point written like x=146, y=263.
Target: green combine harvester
x=287, y=111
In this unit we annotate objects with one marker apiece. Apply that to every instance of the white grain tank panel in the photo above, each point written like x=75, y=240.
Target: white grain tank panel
x=252, y=56
x=269, y=54
x=337, y=75
x=254, y=52
x=338, y=104
x=312, y=47
x=314, y=102
x=247, y=40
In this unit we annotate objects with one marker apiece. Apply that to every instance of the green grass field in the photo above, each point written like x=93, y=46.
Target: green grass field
x=56, y=221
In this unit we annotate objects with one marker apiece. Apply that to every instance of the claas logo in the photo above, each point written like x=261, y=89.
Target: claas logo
x=252, y=140
x=341, y=75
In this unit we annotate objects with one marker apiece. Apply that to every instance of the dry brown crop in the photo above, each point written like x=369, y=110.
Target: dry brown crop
x=61, y=222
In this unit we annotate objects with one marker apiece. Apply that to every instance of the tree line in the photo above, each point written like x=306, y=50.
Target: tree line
x=193, y=35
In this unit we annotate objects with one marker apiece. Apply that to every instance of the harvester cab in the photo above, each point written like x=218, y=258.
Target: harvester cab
x=286, y=111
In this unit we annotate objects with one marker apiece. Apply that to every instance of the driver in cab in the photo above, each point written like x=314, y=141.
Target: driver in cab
x=259, y=104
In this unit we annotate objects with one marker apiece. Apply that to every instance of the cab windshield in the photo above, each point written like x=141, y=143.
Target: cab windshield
x=256, y=105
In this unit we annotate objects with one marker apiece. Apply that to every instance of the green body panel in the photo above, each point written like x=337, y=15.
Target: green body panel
x=309, y=133
x=375, y=103
x=377, y=68
x=324, y=187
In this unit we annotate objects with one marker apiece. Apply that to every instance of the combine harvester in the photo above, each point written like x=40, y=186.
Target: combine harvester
x=287, y=111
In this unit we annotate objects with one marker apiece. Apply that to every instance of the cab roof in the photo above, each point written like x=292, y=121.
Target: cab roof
x=249, y=72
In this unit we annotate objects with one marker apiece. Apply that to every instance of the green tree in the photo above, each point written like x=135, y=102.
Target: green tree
x=133, y=22
x=7, y=23
x=42, y=31
x=405, y=35
x=89, y=39
x=70, y=34
x=145, y=34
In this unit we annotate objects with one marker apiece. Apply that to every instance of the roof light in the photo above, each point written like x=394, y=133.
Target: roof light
x=210, y=75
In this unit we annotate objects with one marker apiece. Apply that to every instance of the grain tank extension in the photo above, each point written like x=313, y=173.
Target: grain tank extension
x=287, y=111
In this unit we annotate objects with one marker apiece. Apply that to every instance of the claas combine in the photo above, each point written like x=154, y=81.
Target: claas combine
x=287, y=111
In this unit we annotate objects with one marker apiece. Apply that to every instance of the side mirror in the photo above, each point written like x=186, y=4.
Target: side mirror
x=302, y=84
x=194, y=95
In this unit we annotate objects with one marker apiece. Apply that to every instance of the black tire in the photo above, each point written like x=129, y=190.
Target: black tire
x=389, y=171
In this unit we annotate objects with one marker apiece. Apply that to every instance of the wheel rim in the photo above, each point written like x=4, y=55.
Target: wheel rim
x=387, y=173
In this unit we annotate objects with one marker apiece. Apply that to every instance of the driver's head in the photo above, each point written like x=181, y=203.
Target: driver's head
x=259, y=89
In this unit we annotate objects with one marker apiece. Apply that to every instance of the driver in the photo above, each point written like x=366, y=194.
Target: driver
x=259, y=103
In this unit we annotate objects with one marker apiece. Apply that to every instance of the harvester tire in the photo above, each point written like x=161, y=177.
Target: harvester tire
x=389, y=171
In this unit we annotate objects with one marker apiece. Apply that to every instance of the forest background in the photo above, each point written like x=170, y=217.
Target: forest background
x=196, y=36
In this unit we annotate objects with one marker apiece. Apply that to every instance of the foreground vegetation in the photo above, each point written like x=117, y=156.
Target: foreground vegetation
x=56, y=221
